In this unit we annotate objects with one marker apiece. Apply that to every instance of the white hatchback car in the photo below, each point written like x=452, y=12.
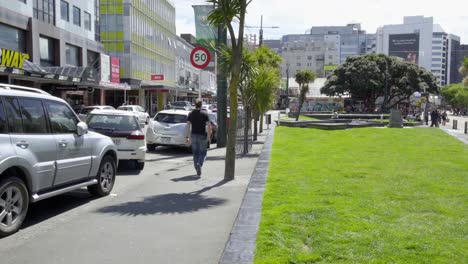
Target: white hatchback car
x=88, y=109
x=140, y=113
x=123, y=128
x=168, y=129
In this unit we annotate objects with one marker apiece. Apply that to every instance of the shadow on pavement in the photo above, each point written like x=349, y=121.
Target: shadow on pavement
x=171, y=203
x=127, y=168
x=55, y=206
x=186, y=178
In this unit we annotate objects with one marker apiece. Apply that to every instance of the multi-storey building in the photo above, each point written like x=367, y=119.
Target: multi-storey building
x=421, y=41
x=315, y=56
x=58, y=44
x=143, y=35
x=460, y=52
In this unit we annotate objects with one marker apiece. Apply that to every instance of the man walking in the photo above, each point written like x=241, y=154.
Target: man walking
x=435, y=118
x=200, y=136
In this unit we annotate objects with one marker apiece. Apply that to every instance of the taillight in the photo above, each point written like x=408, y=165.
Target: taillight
x=136, y=135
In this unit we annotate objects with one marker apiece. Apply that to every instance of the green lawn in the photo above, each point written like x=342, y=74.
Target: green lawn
x=365, y=196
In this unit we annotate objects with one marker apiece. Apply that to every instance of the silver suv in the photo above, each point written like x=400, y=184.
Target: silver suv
x=45, y=151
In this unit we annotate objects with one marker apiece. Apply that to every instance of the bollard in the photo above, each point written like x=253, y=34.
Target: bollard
x=455, y=124
x=466, y=127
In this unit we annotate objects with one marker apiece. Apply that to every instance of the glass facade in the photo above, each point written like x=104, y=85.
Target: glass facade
x=46, y=49
x=72, y=54
x=44, y=10
x=64, y=10
x=76, y=16
x=87, y=20
x=12, y=38
x=151, y=41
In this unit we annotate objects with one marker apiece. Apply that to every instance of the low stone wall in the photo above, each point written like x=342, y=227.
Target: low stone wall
x=325, y=115
x=335, y=124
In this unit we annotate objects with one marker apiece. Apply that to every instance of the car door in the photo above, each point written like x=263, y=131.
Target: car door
x=30, y=136
x=73, y=151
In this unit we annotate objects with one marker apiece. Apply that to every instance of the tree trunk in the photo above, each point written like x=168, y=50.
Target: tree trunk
x=299, y=109
x=247, y=122
x=255, y=137
x=230, y=164
x=261, y=123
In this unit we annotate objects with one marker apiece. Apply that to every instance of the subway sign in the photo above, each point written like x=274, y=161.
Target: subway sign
x=11, y=58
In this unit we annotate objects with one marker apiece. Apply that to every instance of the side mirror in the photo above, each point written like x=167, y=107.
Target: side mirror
x=82, y=128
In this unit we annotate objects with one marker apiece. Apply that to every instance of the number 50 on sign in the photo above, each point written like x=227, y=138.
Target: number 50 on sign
x=200, y=57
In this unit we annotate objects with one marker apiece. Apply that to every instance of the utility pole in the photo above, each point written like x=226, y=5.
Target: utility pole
x=261, y=27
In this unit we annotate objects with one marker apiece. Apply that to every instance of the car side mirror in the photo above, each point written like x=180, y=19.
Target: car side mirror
x=82, y=128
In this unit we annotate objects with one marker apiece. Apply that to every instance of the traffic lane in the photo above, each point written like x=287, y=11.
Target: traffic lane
x=155, y=221
x=50, y=213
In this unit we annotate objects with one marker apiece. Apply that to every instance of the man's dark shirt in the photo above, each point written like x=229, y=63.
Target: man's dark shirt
x=198, y=119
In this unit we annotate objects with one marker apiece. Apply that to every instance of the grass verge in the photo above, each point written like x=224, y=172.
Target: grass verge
x=365, y=196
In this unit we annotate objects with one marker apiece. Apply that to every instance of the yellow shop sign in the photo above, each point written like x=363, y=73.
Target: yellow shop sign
x=11, y=58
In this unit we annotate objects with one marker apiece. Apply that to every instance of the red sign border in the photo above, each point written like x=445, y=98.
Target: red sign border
x=208, y=54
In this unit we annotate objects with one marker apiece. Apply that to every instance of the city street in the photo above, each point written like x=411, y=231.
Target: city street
x=164, y=214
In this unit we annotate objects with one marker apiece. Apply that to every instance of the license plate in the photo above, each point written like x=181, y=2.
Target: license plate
x=116, y=141
x=166, y=140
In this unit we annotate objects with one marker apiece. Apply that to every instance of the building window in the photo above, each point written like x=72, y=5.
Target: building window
x=72, y=54
x=46, y=50
x=87, y=20
x=12, y=38
x=44, y=10
x=64, y=10
x=76, y=16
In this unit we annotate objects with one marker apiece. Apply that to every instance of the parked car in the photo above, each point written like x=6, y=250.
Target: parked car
x=168, y=129
x=45, y=151
x=213, y=116
x=86, y=110
x=125, y=131
x=141, y=114
x=182, y=105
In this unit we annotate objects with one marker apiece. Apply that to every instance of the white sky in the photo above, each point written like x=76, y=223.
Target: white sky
x=297, y=16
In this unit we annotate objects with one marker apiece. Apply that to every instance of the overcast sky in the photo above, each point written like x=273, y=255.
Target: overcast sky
x=297, y=16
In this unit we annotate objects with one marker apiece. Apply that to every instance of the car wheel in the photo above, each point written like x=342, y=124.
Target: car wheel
x=151, y=147
x=140, y=165
x=105, y=177
x=14, y=202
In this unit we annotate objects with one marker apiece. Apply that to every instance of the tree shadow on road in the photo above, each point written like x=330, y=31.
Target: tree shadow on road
x=171, y=203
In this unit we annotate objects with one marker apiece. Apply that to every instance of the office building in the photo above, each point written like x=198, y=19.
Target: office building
x=59, y=47
x=143, y=35
x=420, y=41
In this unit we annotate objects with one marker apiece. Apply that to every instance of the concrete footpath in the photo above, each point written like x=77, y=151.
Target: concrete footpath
x=458, y=133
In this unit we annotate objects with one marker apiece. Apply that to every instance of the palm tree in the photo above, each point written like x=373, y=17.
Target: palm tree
x=228, y=13
x=303, y=78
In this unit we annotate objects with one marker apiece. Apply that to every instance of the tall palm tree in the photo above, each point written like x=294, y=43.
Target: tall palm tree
x=230, y=13
x=303, y=78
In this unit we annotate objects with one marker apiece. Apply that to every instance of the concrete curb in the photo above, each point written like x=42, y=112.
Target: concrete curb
x=240, y=247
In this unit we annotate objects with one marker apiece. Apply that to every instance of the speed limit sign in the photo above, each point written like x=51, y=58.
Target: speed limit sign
x=200, y=57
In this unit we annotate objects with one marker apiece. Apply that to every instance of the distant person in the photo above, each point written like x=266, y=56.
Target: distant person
x=444, y=118
x=426, y=117
x=200, y=135
x=435, y=118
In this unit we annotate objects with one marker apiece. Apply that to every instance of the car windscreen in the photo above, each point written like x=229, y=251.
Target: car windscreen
x=170, y=118
x=179, y=104
x=87, y=110
x=113, y=122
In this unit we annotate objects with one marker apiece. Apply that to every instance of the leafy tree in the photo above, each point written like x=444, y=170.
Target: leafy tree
x=456, y=95
x=464, y=71
x=303, y=78
x=228, y=13
x=371, y=76
x=269, y=63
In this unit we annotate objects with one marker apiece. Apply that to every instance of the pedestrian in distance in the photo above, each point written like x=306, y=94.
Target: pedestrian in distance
x=198, y=134
x=444, y=118
x=435, y=118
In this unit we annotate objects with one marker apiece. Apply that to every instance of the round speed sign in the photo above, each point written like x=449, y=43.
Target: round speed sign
x=200, y=57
